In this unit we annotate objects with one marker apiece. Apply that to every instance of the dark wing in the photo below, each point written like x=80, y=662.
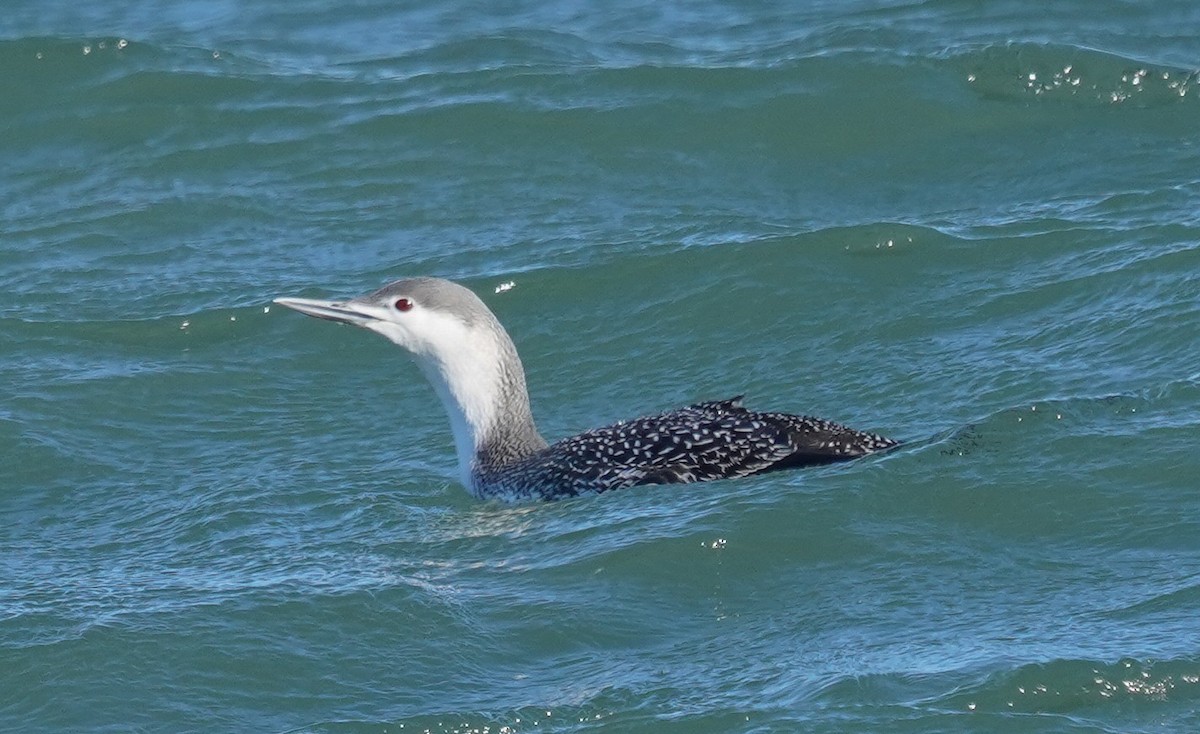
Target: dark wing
x=818, y=441
x=701, y=442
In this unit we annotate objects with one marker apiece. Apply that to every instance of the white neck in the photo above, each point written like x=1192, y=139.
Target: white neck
x=477, y=374
x=470, y=398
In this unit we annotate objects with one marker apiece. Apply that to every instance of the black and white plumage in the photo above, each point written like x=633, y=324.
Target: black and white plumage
x=473, y=366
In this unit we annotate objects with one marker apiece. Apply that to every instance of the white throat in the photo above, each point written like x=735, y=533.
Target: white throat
x=470, y=394
x=474, y=368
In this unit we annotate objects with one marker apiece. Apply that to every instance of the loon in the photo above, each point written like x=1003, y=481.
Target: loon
x=470, y=359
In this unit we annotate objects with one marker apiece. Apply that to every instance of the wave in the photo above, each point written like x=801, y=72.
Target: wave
x=1128, y=415
x=999, y=431
x=1072, y=75
x=1077, y=685
x=48, y=59
x=1077, y=688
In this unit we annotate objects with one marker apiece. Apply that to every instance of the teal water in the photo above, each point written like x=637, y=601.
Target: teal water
x=969, y=226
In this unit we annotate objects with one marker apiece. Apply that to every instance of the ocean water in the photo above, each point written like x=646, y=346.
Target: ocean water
x=971, y=226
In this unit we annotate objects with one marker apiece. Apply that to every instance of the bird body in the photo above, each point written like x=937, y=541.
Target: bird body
x=473, y=366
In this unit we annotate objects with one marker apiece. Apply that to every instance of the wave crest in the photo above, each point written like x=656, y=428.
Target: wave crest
x=1072, y=685
x=1073, y=75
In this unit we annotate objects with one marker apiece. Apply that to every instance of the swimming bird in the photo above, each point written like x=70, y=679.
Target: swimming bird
x=473, y=365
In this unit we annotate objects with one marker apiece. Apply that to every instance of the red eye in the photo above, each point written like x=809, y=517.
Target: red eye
x=403, y=304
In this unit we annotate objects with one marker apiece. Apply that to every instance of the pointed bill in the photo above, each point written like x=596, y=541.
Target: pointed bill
x=346, y=312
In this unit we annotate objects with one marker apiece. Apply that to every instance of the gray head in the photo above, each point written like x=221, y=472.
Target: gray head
x=459, y=345
x=416, y=313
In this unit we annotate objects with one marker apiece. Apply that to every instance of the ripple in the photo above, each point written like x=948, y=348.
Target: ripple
x=1077, y=76
x=1083, y=686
